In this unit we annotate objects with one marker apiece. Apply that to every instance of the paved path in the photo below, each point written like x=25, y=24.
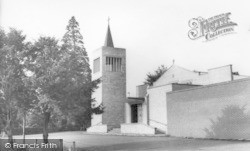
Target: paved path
x=90, y=142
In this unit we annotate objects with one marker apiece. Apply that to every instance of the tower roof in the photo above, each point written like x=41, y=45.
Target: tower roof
x=108, y=39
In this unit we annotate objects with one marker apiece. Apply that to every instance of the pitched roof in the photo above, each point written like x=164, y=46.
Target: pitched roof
x=108, y=40
x=173, y=67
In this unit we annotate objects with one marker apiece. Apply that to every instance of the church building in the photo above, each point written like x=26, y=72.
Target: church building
x=180, y=103
x=109, y=65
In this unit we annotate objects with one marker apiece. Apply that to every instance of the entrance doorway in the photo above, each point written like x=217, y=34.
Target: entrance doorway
x=134, y=113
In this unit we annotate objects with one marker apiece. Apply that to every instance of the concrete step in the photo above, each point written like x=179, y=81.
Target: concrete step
x=115, y=131
x=157, y=131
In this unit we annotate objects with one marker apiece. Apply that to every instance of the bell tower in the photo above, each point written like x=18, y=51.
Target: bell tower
x=109, y=65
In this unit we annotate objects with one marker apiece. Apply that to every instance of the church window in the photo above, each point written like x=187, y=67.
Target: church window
x=113, y=64
x=97, y=65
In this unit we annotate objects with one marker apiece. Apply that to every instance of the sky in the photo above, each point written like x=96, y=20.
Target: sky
x=153, y=32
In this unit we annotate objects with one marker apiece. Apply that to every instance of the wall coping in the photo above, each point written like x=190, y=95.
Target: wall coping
x=174, y=84
x=152, y=87
x=210, y=85
x=230, y=65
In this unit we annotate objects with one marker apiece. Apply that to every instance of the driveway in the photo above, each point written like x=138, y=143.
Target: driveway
x=97, y=142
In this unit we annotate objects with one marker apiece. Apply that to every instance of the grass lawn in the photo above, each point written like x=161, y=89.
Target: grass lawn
x=91, y=142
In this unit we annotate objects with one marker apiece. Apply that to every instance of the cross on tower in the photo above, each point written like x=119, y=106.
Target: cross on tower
x=108, y=20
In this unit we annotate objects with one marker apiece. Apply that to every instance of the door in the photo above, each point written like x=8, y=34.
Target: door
x=139, y=112
x=134, y=113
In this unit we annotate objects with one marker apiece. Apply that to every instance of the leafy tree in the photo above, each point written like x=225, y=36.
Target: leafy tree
x=16, y=39
x=62, y=80
x=27, y=99
x=45, y=63
x=14, y=92
x=61, y=77
x=152, y=77
x=2, y=38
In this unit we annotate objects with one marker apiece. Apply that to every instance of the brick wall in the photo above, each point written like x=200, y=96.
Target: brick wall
x=114, y=89
x=218, y=111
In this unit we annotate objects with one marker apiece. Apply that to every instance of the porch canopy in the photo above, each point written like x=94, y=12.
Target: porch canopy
x=135, y=100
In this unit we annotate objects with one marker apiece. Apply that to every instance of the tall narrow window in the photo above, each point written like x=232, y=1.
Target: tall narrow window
x=113, y=64
x=119, y=63
x=97, y=65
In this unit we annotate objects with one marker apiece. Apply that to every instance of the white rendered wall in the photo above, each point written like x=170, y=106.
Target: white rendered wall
x=221, y=74
x=127, y=113
x=144, y=113
x=157, y=106
x=97, y=94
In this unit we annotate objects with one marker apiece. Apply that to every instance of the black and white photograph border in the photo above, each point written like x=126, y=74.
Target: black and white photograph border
x=103, y=75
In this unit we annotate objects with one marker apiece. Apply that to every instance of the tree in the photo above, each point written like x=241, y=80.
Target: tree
x=73, y=40
x=80, y=72
x=61, y=77
x=8, y=86
x=27, y=99
x=13, y=96
x=2, y=38
x=152, y=77
x=45, y=62
x=62, y=80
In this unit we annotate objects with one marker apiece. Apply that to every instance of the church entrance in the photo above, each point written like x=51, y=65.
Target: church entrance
x=135, y=110
x=136, y=113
